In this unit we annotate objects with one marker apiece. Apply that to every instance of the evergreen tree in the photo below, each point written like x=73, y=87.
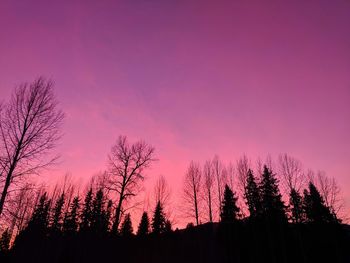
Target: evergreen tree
x=273, y=207
x=168, y=226
x=296, y=206
x=86, y=215
x=56, y=225
x=252, y=196
x=39, y=221
x=315, y=208
x=107, y=216
x=158, y=220
x=71, y=221
x=5, y=241
x=143, y=228
x=97, y=213
x=229, y=208
x=126, y=229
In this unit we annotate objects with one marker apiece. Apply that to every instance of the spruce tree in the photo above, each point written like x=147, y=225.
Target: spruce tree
x=5, y=241
x=229, y=208
x=252, y=196
x=39, y=221
x=143, y=228
x=168, y=226
x=86, y=215
x=56, y=225
x=71, y=221
x=158, y=220
x=107, y=216
x=273, y=207
x=126, y=229
x=97, y=213
x=296, y=206
x=315, y=208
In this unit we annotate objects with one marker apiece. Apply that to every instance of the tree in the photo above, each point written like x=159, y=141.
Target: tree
x=158, y=220
x=291, y=172
x=86, y=216
x=273, y=207
x=126, y=229
x=208, y=185
x=97, y=212
x=5, y=241
x=192, y=186
x=107, y=216
x=29, y=130
x=315, y=208
x=56, y=224
x=242, y=172
x=39, y=222
x=71, y=222
x=143, y=228
x=127, y=164
x=218, y=173
x=229, y=208
x=168, y=226
x=296, y=206
x=252, y=196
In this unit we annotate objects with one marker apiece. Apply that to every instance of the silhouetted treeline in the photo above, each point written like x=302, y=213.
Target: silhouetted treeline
x=304, y=231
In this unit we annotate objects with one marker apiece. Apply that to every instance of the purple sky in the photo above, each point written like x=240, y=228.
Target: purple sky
x=194, y=78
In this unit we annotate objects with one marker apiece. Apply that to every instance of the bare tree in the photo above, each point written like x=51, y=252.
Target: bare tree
x=291, y=172
x=242, y=173
x=126, y=169
x=208, y=185
x=192, y=187
x=162, y=191
x=29, y=130
x=230, y=175
x=219, y=178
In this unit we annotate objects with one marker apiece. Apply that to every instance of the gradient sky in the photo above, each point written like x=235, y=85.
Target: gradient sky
x=193, y=78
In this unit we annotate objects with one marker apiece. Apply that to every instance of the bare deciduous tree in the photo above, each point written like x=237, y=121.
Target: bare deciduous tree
x=219, y=178
x=242, y=173
x=29, y=130
x=208, y=186
x=126, y=169
x=291, y=172
x=192, y=187
x=162, y=191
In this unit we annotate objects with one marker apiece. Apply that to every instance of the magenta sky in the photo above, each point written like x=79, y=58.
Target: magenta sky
x=193, y=78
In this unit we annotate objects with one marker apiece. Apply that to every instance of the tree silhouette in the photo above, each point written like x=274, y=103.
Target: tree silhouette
x=143, y=228
x=126, y=167
x=5, y=241
x=229, y=208
x=158, y=220
x=252, y=195
x=168, y=226
x=97, y=212
x=71, y=222
x=315, y=208
x=86, y=215
x=296, y=206
x=56, y=225
x=208, y=185
x=126, y=229
x=29, y=129
x=273, y=207
x=107, y=216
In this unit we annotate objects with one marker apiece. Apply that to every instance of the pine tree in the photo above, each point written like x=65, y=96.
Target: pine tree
x=39, y=221
x=273, y=207
x=71, y=221
x=56, y=225
x=252, y=196
x=126, y=229
x=107, y=216
x=97, y=213
x=5, y=241
x=315, y=208
x=296, y=206
x=143, y=228
x=168, y=226
x=158, y=220
x=229, y=208
x=86, y=215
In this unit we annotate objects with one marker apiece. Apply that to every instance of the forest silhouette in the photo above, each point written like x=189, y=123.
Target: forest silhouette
x=96, y=225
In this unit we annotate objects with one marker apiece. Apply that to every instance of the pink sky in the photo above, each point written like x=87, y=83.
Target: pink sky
x=193, y=78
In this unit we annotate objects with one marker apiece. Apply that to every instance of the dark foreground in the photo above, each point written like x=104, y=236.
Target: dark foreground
x=237, y=242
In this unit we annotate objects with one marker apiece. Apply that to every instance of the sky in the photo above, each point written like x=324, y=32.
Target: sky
x=192, y=78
